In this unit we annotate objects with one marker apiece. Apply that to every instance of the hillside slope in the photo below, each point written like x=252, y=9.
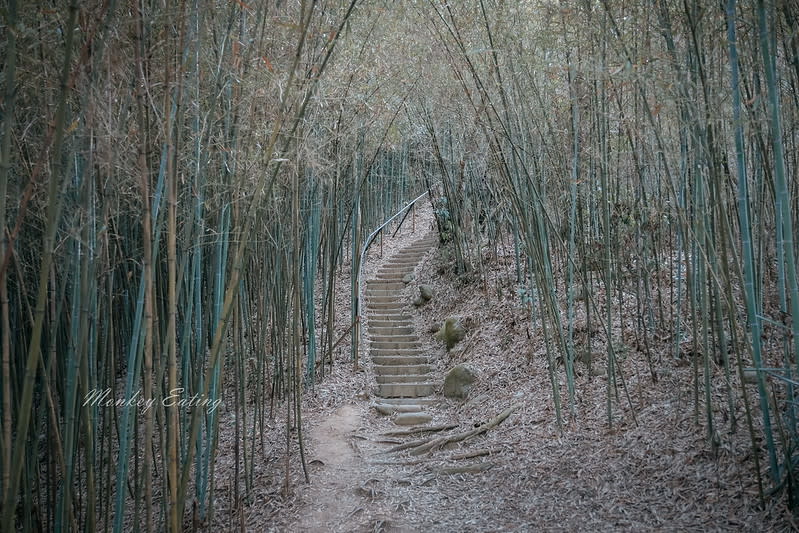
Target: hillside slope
x=653, y=470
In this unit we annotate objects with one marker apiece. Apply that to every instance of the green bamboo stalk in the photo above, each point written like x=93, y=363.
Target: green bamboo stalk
x=249, y=217
x=570, y=287
x=9, y=99
x=53, y=213
x=147, y=270
x=173, y=419
x=782, y=194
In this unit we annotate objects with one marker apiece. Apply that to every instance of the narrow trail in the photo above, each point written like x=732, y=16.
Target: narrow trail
x=497, y=461
x=355, y=486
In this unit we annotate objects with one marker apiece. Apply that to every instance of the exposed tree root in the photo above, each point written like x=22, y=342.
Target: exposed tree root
x=419, y=430
x=407, y=445
x=454, y=457
x=474, y=453
x=437, y=443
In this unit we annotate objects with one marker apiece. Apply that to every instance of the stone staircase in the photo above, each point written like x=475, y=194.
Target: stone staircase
x=401, y=366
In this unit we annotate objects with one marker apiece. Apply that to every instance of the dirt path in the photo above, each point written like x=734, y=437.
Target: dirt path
x=350, y=489
x=335, y=460
x=355, y=486
x=650, y=472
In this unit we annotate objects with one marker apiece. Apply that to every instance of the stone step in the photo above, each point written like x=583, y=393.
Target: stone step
x=401, y=345
x=402, y=352
x=384, y=299
x=401, y=378
x=385, y=314
x=412, y=419
x=395, y=345
x=390, y=277
x=396, y=323
x=401, y=263
x=390, y=409
x=409, y=254
x=391, y=337
x=387, y=317
x=400, y=360
x=404, y=272
x=384, y=284
x=403, y=260
x=417, y=246
x=412, y=250
x=420, y=246
x=393, y=370
x=400, y=270
x=378, y=291
x=385, y=305
x=405, y=390
x=383, y=294
x=381, y=327
x=390, y=330
x=410, y=401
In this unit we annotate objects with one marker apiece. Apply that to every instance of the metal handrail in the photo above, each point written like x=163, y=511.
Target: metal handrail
x=358, y=318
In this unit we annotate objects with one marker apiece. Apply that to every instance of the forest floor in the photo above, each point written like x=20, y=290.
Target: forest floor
x=654, y=469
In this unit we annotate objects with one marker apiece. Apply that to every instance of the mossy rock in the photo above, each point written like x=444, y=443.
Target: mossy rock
x=451, y=332
x=426, y=292
x=458, y=382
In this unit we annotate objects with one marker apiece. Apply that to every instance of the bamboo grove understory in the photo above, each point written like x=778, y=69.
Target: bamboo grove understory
x=186, y=184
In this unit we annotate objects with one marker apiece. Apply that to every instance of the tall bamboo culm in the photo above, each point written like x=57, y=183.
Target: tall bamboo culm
x=151, y=288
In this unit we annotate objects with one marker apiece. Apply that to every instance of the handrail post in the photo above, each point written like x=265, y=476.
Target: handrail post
x=358, y=316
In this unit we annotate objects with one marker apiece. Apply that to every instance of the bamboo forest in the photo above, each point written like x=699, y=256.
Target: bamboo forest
x=399, y=265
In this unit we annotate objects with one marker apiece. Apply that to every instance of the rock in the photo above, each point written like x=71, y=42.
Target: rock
x=426, y=292
x=412, y=419
x=408, y=278
x=419, y=302
x=451, y=332
x=750, y=375
x=458, y=382
x=385, y=409
x=408, y=408
x=390, y=409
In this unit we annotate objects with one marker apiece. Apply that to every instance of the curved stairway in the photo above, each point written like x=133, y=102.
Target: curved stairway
x=401, y=366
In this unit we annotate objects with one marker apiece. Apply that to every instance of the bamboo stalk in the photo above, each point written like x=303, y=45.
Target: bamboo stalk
x=53, y=213
x=5, y=167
